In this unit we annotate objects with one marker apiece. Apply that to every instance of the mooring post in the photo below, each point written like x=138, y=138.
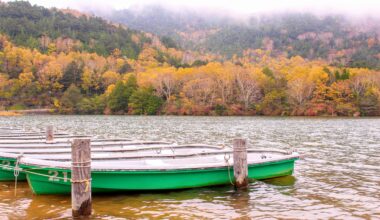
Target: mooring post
x=49, y=134
x=240, y=163
x=81, y=177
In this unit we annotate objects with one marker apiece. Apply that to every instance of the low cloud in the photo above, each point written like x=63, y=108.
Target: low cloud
x=236, y=7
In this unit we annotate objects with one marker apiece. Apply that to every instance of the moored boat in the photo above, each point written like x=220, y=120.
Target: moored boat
x=132, y=150
x=53, y=177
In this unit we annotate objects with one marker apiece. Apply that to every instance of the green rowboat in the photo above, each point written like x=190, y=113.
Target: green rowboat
x=132, y=150
x=7, y=165
x=51, y=177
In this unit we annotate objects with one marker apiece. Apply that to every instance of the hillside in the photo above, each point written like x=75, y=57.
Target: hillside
x=44, y=29
x=80, y=64
x=333, y=38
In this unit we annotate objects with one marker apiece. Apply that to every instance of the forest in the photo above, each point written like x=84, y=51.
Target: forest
x=38, y=27
x=336, y=38
x=48, y=62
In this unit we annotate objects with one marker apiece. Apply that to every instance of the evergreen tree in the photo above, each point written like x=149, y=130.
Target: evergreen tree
x=143, y=101
x=118, y=99
x=70, y=100
x=268, y=72
x=131, y=85
x=345, y=74
x=72, y=75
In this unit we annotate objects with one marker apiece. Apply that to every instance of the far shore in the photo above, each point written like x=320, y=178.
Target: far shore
x=26, y=112
x=54, y=112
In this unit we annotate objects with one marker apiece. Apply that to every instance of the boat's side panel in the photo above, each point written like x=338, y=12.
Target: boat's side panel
x=164, y=180
x=46, y=185
x=7, y=171
x=271, y=170
x=57, y=181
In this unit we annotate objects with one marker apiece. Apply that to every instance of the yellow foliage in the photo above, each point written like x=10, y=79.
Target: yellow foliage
x=109, y=90
x=57, y=103
x=110, y=77
x=26, y=79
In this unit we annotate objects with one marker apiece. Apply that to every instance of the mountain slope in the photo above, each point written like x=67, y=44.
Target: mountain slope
x=47, y=60
x=38, y=27
x=333, y=38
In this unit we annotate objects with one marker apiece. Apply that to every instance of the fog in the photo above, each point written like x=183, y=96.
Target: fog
x=354, y=8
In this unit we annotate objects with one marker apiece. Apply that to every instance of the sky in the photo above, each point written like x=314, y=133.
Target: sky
x=352, y=7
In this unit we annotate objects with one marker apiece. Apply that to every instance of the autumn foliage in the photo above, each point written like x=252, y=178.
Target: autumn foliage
x=88, y=83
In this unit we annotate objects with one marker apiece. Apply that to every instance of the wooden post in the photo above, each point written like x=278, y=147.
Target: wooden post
x=49, y=134
x=81, y=177
x=240, y=163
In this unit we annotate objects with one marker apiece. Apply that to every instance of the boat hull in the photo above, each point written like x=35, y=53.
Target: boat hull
x=57, y=181
x=7, y=170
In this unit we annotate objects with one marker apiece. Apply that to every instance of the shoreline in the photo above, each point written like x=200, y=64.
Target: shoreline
x=27, y=112
x=50, y=112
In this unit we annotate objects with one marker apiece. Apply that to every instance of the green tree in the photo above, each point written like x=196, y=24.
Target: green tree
x=72, y=75
x=125, y=68
x=168, y=42
x=143, y=101
x=268, y=72
x=131, y=85
x=92, y=105
x=220, y=109
x=70, y=100
x=118, y=99
x=345, y=74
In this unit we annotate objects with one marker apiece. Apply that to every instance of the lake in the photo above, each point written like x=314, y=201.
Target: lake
x=339, y=176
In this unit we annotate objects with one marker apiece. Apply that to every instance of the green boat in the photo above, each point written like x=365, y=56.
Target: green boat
x=52, y=177
x=131, y=150
x=7, y=165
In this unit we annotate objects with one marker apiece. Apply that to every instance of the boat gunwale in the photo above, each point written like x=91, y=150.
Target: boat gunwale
x=93, y=144
x=67, y=165
x=142, y=171
x=37, y=139
x=120, y=156
x=30, y=135
x=113, y=149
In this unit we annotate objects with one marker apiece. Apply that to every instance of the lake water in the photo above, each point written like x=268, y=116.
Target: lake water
x=339, y=176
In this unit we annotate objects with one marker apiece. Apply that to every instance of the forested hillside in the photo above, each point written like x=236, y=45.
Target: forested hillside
x=160, y=77
x=337, y=39
x=44, y=29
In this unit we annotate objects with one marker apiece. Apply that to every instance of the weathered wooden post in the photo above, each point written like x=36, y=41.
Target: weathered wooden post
x=81, y=177
x=49, y=134
x=240, y=163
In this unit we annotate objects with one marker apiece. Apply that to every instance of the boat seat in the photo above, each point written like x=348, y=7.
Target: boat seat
x=154, y=162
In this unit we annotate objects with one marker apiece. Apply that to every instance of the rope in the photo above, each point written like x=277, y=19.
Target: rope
x=45, y=175
x=226, y=159
x=87, y=181
x=73, y=164
x=6, y=167
x=89, y=161
x=16, y=172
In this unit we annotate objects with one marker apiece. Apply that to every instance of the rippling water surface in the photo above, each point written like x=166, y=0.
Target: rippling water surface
x=339, y=176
